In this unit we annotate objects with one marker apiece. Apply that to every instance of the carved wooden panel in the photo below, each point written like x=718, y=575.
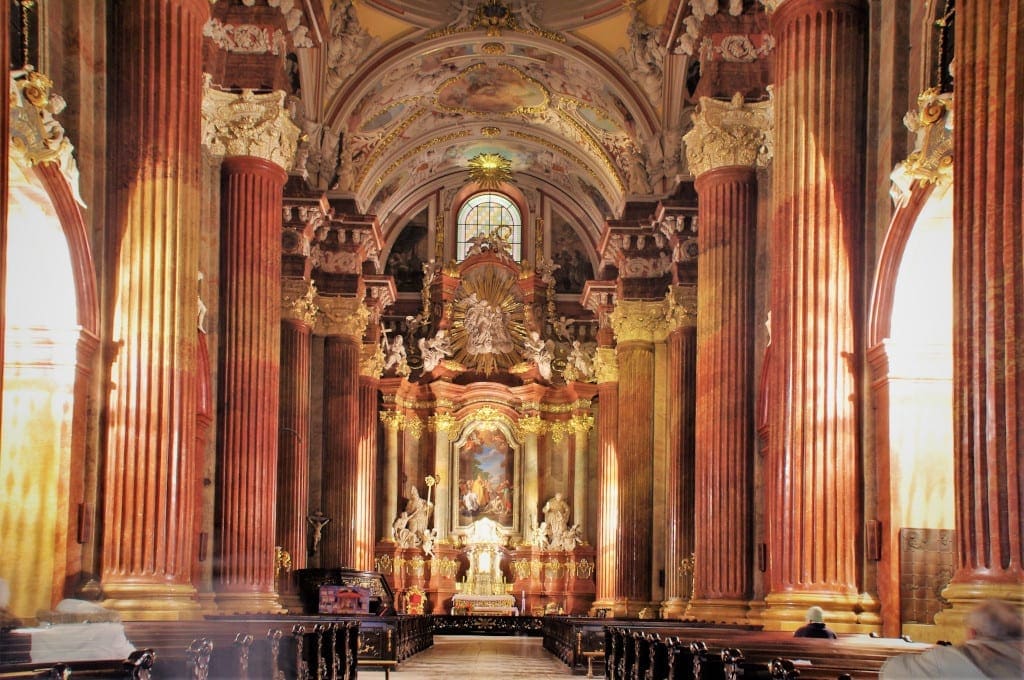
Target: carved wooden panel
x=926, y=566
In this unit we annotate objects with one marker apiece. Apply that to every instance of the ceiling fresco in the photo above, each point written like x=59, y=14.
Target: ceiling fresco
x=574, y=117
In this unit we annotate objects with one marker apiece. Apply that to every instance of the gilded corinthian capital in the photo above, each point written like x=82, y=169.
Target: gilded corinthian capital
x=728, y=134
x=248, y=124
x=298, y=301
x=346, y=316
x=644, y=320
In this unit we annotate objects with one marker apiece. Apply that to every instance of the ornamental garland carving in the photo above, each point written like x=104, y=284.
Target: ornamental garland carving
x=346, y=316
x=727, y=134
x=248, y=124
x=298, y=301
x=244, y=38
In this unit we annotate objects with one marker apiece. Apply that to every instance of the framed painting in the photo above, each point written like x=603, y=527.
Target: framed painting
x=486, y=464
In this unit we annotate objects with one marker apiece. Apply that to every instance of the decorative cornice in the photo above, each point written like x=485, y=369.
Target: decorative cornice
x=248, y=124
x=371, y=360
x=298, y=301
x=606, y=365
x=36, y=135
x=340, y=315
x=932, y=158
x=729, y=134
x=642, y=320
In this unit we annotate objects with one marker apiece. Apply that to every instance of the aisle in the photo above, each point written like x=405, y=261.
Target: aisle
x=479, y=657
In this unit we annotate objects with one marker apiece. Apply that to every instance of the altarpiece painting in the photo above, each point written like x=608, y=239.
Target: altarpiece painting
x=486, y=468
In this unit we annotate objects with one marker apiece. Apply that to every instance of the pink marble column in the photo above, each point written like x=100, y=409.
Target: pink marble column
x=153, y=213
x=988, y=284
x=293, y=436
x=366, y=488
x=607, y=480
x=723, y=564
x=249, y=382
x=813, y=495
x=343, y=325
x=679, y=484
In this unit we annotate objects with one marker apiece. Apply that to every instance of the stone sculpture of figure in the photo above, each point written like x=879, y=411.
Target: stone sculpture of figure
x=396, y=356
x=486, y=327
x=582, y=368
x=419, y=510
x=434, y=350
x=540, y=353
x=400, y=531
x=556, y=516
x=318, y=520
x=428, y=537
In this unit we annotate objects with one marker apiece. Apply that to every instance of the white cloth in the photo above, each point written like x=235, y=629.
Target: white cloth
x=78, y=642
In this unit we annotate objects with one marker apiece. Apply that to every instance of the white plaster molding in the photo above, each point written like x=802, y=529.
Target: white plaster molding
x=248, y=124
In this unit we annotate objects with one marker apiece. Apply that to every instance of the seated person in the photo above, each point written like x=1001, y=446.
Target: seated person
x=815, y=627
x=994, y=649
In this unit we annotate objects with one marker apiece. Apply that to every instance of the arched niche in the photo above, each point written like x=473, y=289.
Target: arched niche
x=51, y=339
x=911, y=367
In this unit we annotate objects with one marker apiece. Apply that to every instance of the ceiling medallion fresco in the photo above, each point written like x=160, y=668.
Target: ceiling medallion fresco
x=485, y=89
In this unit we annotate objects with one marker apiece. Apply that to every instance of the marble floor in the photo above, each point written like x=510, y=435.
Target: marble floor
x=479, y=657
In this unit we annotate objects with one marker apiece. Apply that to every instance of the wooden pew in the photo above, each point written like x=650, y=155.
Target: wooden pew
x=136, y=667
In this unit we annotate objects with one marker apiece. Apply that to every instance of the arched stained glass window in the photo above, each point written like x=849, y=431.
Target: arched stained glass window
x=489, y=214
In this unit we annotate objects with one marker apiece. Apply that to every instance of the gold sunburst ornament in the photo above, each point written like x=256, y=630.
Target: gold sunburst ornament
x=489, y=170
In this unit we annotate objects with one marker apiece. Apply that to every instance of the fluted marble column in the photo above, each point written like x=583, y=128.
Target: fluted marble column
x=988, y=285
x=679, y=483
x=722, y=151
x=153, y=213
x=443, y=425
x=813, y=494
x=298, y=314
x=343, y=322
x=606, y=371
x=392, y=424
x=531, y=427
x=253, y=172
x=638, y=325
x=366, y=473
x=581, y=425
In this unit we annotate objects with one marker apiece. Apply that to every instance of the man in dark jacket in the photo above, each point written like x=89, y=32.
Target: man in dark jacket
x=815, y=627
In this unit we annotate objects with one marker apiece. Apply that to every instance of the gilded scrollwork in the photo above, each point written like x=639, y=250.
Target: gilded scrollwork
x=298, y=301
x=371, y=360
x=393, y=420
x=644, y=320
x=931, y=160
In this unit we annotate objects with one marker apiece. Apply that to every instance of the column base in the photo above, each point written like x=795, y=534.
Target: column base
x=249, y=603
x=152, y=602
x=292, y=603
x=843, y=613
x=964, y=597
x=673, y=608
x=719, y=611
x=208, y=603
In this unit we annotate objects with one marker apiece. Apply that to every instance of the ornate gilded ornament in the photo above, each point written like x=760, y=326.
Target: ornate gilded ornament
x=413, y=425
x=298, y=301
x=339, y=315
x=487, y=332
x=489, y=170
x=641, y=320
x=36, y=135
x=932, y=158
x=392, y=420
x=371, y=360
x=606, y=365
x=248, y=124
x=727, y=134
x=443, y=422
